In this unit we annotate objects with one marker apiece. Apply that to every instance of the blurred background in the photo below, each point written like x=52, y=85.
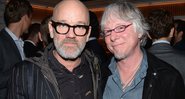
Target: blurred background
x=44, y=8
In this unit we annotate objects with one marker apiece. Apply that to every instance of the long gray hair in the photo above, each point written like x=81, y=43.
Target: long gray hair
x=127, y=12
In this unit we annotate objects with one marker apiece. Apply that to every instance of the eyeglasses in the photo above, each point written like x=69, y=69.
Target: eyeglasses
x=117, y=29
x=63, y=28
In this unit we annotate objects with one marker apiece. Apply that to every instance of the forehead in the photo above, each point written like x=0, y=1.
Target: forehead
x=71, y=15
x=113, y=21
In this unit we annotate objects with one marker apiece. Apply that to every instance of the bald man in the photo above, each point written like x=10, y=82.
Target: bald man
x=65, y=70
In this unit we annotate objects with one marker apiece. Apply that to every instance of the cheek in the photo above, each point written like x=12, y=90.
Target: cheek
x=82, y=41
x=110, y=48
x=86, y=38
x=108, y=43
x=57, y=38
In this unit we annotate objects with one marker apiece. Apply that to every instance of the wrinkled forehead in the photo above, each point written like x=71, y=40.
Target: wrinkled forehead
x=113, y=19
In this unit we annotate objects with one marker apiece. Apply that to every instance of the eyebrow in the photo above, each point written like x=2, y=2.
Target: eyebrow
x=77, y=23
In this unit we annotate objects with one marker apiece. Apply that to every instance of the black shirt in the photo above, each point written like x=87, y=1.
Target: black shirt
x=76, y=84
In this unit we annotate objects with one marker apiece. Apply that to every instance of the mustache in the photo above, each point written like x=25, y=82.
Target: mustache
x=70, y=41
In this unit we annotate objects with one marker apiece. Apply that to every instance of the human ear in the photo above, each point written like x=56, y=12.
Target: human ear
x=172, y=31
x=51, y=30
x=40, y=36
x=89, y=32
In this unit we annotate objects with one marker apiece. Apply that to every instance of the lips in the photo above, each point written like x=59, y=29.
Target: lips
x=70, y=43
x=114, y=45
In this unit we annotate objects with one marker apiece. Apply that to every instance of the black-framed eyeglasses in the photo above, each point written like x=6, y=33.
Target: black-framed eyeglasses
x=117, y=29
x=63, y=28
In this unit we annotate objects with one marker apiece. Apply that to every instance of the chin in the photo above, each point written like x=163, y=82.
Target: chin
x=120, y=56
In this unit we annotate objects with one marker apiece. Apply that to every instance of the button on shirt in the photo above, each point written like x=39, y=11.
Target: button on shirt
x=19, y=43
x=113, y=88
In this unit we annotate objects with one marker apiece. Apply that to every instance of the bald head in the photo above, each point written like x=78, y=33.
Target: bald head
x=70, y=28
x=70, y=9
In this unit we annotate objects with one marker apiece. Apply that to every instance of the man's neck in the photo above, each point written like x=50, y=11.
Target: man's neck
x=16, y=29
x=161, y=40
x=130, y=63
x=127, y=68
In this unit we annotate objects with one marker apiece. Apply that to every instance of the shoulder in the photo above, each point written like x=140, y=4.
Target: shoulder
x=3, y=36
x=161, y=67
x=6, y=40
x=92, y=59
x=179, y=53
x=164, y=73
x=26, y=71
x=25, y=67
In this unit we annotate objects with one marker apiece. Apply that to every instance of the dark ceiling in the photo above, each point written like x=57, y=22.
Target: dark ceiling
x=90, y=3
x=43, y=8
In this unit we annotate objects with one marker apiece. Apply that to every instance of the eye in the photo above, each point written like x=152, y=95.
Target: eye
x=122, y=27
x=107, y=31
x=62, y=27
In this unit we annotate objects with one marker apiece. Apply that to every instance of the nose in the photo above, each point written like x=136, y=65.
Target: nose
x=114, y=36
x=70, y=33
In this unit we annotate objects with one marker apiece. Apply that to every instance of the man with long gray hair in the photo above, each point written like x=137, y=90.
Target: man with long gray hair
x=136, y=74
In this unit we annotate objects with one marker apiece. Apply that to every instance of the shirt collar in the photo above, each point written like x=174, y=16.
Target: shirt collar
x=92, y=38
x=144, y=64
x=160, y=41
x=30, y=42
x=11, y=34
x=140, y=74
x=14, y=37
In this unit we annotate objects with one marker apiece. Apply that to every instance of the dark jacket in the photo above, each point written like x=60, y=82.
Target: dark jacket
x=9, y=55
x=162, y=81
x=30, y=50
x=34, y=79
x=166, y=53
x=97, y=49
x=180, y=45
